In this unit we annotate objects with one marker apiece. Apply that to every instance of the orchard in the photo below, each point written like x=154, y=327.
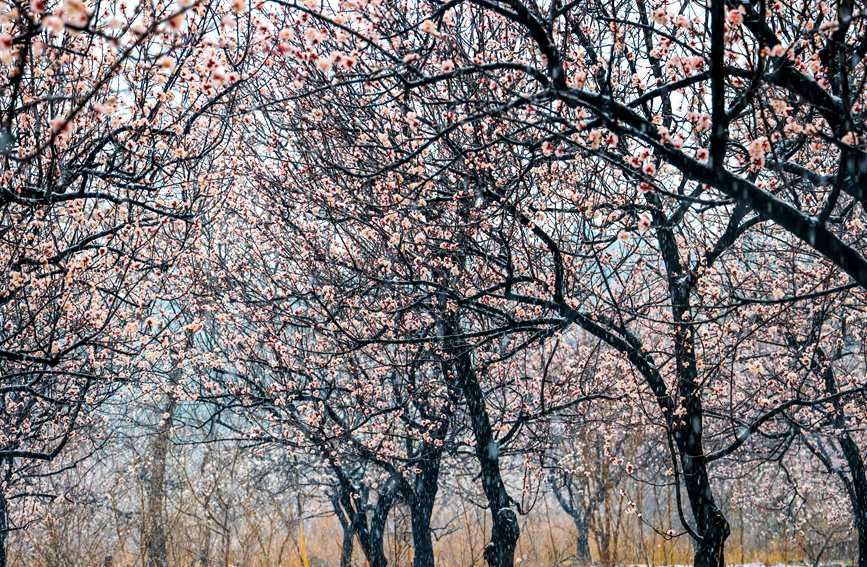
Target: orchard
x=453, y=283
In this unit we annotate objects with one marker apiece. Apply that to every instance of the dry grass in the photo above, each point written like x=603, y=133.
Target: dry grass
x=547, y=539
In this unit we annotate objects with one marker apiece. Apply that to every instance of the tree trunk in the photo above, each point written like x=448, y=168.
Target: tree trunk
x=346, y=526
x=582, y=544
x=422, y=498
x=857, y=492
x=500, y=551
x=505, y=530
x=370, y=532
x=346, y=549
x=688, y=429
x=154, y=532
x=578, y=515
x=376, y=534
x=856, y=483
x=422, y=542
x=712, y=525
x=4, y=526
x=582, y=531
x=504, y=522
